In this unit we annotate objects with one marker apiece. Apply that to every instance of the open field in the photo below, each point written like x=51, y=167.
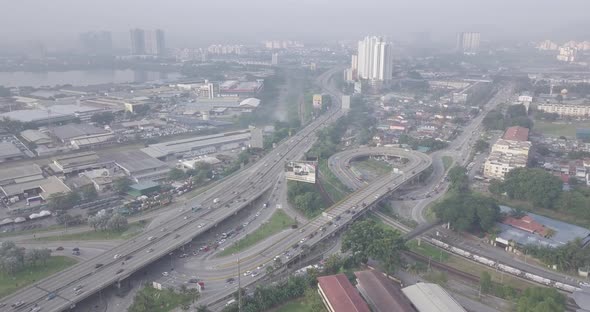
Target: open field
x=277, y=222
x=567, y=129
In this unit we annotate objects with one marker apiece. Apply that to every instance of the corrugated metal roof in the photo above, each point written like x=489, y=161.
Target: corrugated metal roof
x=428, y=297
x=341, y=295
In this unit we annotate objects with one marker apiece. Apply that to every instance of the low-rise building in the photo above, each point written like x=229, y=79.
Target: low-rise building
x=427, y=297
x=20, y=174
x=36, y=137
x=37, y=190
x=516, y=133
x=498, y=164
x=74, y=163
x=9, y=151
x=339, y=295
x=139, y=166
x=512, y=147
x=381, y=294
x=566, y=109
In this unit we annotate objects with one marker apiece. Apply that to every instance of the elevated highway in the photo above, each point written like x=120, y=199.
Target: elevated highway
x=233, y=194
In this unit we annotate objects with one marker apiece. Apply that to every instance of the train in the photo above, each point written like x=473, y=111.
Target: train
x=503, y=267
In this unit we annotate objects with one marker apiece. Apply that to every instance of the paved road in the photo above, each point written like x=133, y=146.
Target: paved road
x=218, y=203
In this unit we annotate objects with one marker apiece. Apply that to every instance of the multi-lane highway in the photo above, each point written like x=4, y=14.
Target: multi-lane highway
x=233, y=194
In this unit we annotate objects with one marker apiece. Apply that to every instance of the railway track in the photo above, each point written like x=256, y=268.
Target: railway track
x=570, y=305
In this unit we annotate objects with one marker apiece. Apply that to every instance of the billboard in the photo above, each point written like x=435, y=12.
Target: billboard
x=303, y=171
x=317, y=101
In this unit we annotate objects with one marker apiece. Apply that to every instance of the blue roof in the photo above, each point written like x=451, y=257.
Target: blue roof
x=564, y=232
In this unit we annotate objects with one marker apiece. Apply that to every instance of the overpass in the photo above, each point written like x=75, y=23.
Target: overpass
x=108, y=268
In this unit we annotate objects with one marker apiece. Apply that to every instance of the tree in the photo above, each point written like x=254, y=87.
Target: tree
x=117, y=222
x=89, y=192
x=121, y=185
x=313, y=301
x=534, y=185
x=176, y=174
x=481, y=146
x=541, y=299
x=468, y=212
x=485, y=282
x=459, y=179
x=104, y=118
x=333, y=264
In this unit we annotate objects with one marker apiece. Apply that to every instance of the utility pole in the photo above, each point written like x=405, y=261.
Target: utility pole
x=239, y=287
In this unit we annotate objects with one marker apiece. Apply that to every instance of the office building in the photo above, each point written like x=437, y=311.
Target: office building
x=96, y=42
x=468, y=42
x=375, y=59
x=148, y=42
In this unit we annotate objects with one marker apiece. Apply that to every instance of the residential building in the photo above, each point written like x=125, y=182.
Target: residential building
x=512, y=147
x=498, y=164
x=468, y=42
x=148, y=42
x=339, y=295
x=516, y=133
x=566, y=109
x=375, y=59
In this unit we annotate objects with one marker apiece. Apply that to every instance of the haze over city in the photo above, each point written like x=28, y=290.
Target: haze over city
x=295, y=156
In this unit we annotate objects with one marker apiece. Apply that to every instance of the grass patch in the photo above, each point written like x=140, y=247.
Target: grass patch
x=428, y=250
x=10, y=284
x=159, y=300
x=277, y=222
x=476, y=269
x=296, y=305
x=447, y=162
x=34, y=231
x=561, y=128
x=331, y=184
x=378, y=166
x=134, y=229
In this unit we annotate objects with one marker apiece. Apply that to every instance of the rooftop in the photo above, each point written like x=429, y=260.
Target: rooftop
x=9, y=150
x=15, y=173
x=186, y=145
x=428, y=297
x=381, y=293
x=77, y=159
x=516, y=134
x=48, y=186
x=251, y=102
x=144, y=185
x=35, y=136
x=562, y=232
x=70, y=131
x=341, y=294
x=136, y=161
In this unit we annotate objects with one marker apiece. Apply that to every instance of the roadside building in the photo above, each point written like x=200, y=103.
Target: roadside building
x=100, y=178
x=139, y=166
x=381, y=294
x=37, y=190
x=427, y=297
x=512, y=147
x=339, y=295
x=498, y=164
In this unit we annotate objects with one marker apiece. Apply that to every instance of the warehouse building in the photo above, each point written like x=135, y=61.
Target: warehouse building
x=381, y=294
x=36, y=137
x=75, y=163
x=427, y=297
x=140, y=167
x=339, y=295
x=37, y=190
x=197, y=146
x=9, y=151
x=20, y=174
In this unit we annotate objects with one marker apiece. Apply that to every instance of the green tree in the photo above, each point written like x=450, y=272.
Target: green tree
x=89, y=192
x=313, y=301
x=485, y=282
x=121, y=185
x=468, y=212
x=459, y=179
x=535, y=185
x=117, y=222
x=104, y=118
x=541, y=299
x=481, y=146
x=176, y=174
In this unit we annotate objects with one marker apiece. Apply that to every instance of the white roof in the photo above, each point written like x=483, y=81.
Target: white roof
x=252, y=102
x=428, y=297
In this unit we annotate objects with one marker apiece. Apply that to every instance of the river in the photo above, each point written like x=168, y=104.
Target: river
x=80, y=77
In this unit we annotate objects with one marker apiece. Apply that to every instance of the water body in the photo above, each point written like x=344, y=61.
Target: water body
x=80, y=77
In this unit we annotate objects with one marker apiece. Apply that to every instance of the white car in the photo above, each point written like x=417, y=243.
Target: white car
x=254, y=274
x=201, y=225
x=117, y=256
x=165, y=274
x=150, y=250
x=247, y=273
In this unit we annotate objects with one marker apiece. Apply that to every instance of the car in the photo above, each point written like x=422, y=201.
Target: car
x=183, y=256
x=128, y=257
x=78, y=287
x=230, y=280
x=254, y=274
x=177, y=236
x=35, y=309
x=119, y=271
x=151, y=238
x=247, y=273
x=50, y=296
x=117, y=256
x=302, y=230
x=185, y=217
x=150, y=250
x=201, y=225
x=98, y=265
x=165, y=274
x=82, y=291
x=162, y=230
x=76, y=249
x=60, y=248
x=260, y=266
x=17, y=304
x=193, y=280
x=302, y=241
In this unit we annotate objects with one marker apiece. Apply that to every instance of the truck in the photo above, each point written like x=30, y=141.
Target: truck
x=216, y=200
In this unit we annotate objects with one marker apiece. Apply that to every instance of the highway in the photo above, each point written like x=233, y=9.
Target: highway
x=234, y=193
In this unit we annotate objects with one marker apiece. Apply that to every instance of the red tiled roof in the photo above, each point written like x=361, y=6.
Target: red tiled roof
x=341, y=294
x=526, y=223
x=516, y=134
x=381, y=293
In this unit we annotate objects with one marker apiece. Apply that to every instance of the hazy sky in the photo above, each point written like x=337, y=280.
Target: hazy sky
x=187, y=21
